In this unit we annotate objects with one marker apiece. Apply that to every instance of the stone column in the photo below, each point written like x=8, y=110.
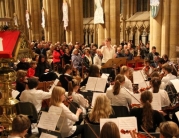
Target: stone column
x=165, y=28
x=156, y=30
x=9, y=8
x=2, y=11
x=174, y=22
x=33, y=6
x=107, y=17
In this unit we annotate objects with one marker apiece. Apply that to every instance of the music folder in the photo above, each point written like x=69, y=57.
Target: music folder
x=115, y=62
x=96, y=84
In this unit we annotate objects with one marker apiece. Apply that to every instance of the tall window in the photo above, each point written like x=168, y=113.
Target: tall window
x=142, y=5
x=88, y=8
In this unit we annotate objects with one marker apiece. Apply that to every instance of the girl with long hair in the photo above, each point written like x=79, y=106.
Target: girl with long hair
x=155, y=83
x=67, y=118
x=102, y=109
x=119, y=95
x=148, y=118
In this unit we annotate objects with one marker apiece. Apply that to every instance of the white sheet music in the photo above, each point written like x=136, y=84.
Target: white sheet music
x=138, y=77
x=55, y=110
x=125, y=123
x=156, y=102
x=15, y=93
x=177, y=115
x=175, y=84
x=48, y=121
x=45, y=135
x=104, y=75
x=96, y=84
x=95, y=95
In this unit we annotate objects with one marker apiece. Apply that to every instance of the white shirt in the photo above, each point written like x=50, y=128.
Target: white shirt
x=165, y=101
x=97, y=61
x=167, y=78
x=107, y=53
x=128, y=84
x=35, y=97
x=66, y=122
x=122, y=99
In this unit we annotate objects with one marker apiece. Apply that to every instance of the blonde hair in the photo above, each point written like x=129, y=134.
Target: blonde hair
x=21, y=74
x=57, y=92
x=169, y=129
x=123, y=70
x=102, y=109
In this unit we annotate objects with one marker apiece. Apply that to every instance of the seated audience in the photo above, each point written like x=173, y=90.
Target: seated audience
x=87, y=60
x=110, y=130
x=155, y=83
x=31, y=70
x=124, y=70
x=148, y=118
x=119, y=53
x=67, y=56
x=119, y=95
x=102, y=109
x=66, y=77
x=97, y=59
x=76, y=60
x=23, y=65
x=67, y=118
x=20, y=126
x=128, y=54
x=21, y=81
x=33, y=95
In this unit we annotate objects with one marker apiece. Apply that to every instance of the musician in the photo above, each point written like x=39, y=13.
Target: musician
x=73, y=87
x=167, y=69
x=118, y=95
x=127, y=84
x=148, y=118
x=169, y=129
x=109, y=130
x=155, y=83
x=66, y=77
x=152, y=55
x=102, y=109
x=147, y=69
x=67, y=118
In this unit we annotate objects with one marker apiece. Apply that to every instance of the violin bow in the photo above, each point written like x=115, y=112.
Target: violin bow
x=132, y=95
x=144, y=79
x=147, y=132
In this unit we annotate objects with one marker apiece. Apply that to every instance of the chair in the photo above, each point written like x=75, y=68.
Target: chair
x=41, y=86
x=131, y=63
x=139, y=63
x=27, y=108
x=91, y=130
x=120, y=111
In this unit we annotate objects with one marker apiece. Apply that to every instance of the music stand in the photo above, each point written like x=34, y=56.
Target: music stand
x=115, y=62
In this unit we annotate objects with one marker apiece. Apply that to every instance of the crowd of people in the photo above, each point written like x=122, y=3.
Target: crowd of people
x=72, y=61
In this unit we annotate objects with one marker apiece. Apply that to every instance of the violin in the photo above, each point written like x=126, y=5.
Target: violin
x=144, y=89
x=147, y=68
x=67, y=101
x=133, y=133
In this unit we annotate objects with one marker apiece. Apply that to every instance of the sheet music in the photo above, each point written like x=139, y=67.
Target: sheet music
x=156, y=102
x=95, y=95
x=137, y=77
x=96, y=84
x=45, y=135
x=15, y=93
x=100, y=84
x=91, y=83
x=125, y=123
x=55, y=109
x=175, y=83
x=177, y=115
x=48, y=121
x=104, y=75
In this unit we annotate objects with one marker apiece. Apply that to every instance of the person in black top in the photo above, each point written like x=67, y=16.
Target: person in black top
x=152, y=55
x=148, y=118
x=67, y=56
x=66, y=77
x=23, y=65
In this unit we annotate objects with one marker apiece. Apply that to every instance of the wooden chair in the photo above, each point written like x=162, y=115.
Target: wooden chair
x=41, y=86
x=139, y=63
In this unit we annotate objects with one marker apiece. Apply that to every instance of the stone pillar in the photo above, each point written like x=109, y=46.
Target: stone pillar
x=2, y=11
x=174, y=22
x=100, y=34
x=9, y=8
x=156, y=30
x=124, y=18
x=33, y=6
x=107, y=17
x=165, y=28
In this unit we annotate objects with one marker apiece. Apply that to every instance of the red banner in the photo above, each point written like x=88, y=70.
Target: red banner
x=8, y=40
